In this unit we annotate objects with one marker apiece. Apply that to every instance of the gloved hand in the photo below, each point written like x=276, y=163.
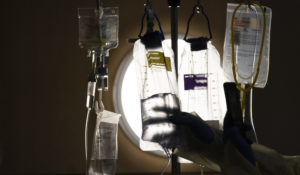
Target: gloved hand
x=192, y=121
x=233, y=126
x=156, y=124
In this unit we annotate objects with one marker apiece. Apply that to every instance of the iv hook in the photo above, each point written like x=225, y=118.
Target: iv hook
x=249, y=4
x=148, y=3
x=198, y=7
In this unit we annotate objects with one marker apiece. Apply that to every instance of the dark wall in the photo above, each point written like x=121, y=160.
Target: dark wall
x=44, y=74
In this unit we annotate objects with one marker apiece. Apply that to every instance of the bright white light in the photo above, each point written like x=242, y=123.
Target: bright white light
x=127, y=102
x=130, y=100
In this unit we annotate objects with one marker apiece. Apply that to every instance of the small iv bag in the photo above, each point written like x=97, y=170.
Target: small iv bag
x=98, y=28
x=109, y=30
x=89, y=28
x=105, y=147
x=248, y=30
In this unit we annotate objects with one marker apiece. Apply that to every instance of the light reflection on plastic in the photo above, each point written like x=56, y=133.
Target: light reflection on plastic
x=131, y=101
x=130, y=97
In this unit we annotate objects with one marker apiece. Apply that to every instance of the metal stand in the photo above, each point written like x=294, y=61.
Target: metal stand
x=174, y=4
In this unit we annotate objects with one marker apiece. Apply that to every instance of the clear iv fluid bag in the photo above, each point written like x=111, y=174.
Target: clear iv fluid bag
x=102, y=167
x=248, y=30
x=105, y=147
x=98, y=28
x=156, y=80
x=89, y=28
x=110, y=27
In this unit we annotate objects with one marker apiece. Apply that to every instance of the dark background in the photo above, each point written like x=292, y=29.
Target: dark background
x=44, y=73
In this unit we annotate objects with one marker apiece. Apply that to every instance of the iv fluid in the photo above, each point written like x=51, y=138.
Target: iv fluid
x=104, y=153
x=102, y=167
x=89, y=28
x=248, y=29
x=110, y=27
x=98, y=28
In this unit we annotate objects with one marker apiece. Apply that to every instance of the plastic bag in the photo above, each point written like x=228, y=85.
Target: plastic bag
x=248, y=28
x=156, y=79
x=200, y=83
x=105, y=147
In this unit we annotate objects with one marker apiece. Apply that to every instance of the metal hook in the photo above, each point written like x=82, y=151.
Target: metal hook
x=249, y=2
x=198, y=7
x=148, y=3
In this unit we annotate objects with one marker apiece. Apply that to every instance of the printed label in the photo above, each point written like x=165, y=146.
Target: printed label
x=241, y=33
x=158, y=59
x=246, y=22
x=195, y=81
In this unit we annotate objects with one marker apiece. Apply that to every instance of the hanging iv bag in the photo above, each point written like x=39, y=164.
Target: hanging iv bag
x=248, y=30
x=200, y=83
x=109, y=27
x=98, y=28
x=156, y=79
x=105, y=147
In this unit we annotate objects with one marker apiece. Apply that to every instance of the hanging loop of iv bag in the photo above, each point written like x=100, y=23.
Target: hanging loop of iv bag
x=199, y=9
x=247, y=48
x=146, y=12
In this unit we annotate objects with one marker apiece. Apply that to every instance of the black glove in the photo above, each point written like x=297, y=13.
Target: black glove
x=233, y=126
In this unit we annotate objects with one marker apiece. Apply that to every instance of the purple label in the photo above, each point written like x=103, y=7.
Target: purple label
x=195, y=81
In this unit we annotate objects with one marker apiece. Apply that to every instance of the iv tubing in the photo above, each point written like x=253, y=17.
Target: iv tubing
x=245, y=90
x=251, y=115
x=86, y=134
x=169, y=160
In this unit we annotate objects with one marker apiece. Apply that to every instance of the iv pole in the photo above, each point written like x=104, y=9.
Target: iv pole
x=174, y=5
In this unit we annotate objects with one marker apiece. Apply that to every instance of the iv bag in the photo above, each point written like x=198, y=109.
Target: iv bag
x=109, y=30
x=200, y=81
x=248, y=28
x=105, y=147
x=89, y=36
x=156, y=79
x=155, y=69
x=98, y=28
